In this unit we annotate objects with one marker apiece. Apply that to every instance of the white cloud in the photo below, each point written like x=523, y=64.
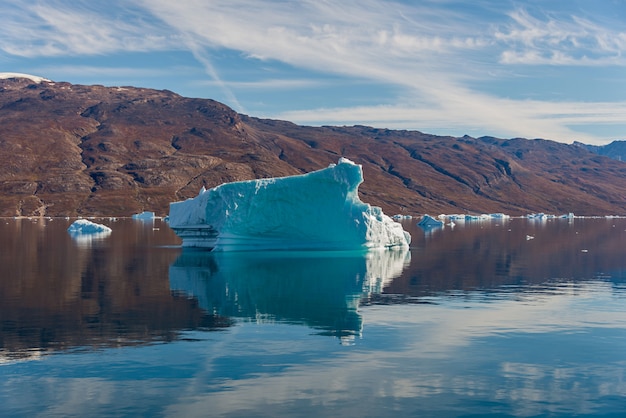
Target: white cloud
x=424, y=51
x=428, y=51
x=273, y=84
x=58, y=28
x=108, y=72
x=570, y=40
x=505, y=118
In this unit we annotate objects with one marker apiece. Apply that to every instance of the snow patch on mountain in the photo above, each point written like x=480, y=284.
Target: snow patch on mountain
x=34, y=78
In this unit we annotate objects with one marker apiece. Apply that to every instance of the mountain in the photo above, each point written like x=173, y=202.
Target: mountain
x=68, y=150
x=615, y=150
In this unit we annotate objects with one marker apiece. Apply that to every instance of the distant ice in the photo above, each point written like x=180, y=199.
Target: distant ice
x=320, y=210
x=86, y=227
x=482, y=217
x=146, y=215
x=543, y=216
x=428, y=221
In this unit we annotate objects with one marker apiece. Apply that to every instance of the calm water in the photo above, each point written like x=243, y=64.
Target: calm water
x=504, y=318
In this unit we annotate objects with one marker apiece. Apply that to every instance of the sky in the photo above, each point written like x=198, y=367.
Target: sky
x=552, y=69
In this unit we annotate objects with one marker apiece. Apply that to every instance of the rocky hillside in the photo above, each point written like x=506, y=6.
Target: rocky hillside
x=91, y=150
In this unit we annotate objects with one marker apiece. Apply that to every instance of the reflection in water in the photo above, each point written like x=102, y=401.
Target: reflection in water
x=319, y=289
x=89, y=240
x=494, y=257
x=57, y=293
x=481, y=322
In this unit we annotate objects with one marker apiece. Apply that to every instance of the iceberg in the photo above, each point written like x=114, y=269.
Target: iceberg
x=85, y=227
x=428, y=221
x=320, y=210
x=86, y=233
x=144, y=216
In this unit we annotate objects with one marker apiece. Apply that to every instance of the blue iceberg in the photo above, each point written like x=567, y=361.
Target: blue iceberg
x=85, y=227
x=144, y=216
x=428, y=221
x=320, y=210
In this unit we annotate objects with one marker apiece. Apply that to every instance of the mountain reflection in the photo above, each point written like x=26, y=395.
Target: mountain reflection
x=319, y=289
x=58, y=294
x=137, y=286
x=510, y=258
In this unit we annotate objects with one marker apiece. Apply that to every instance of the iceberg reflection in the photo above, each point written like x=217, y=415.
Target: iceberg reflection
x=319, y=289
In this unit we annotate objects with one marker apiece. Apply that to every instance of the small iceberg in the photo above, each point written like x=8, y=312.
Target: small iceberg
x=320, y=210
x=540, y=216
x=85, y=232
x=144, y=216
x=428, y=222
x=85, y=227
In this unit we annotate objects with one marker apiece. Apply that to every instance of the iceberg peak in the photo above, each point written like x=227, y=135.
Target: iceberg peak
x=319, y=210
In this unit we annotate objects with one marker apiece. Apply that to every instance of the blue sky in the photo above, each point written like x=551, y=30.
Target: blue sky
x=553, y=69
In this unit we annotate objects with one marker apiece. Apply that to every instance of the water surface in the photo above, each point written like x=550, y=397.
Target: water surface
x=500, y=318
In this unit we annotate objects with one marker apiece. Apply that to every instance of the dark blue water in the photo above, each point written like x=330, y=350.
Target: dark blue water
x=501, y=318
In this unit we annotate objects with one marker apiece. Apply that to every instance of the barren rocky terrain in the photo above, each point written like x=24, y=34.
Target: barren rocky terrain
x=68, y=150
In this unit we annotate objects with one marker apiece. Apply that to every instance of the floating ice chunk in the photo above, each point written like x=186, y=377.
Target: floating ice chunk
x=428, y=221
x=320, y=210
x=482, y=217
x=540, y=216
x=499, y=216
x=144, y=215
x=476, y=217
x=86, y=232
x=83, y=227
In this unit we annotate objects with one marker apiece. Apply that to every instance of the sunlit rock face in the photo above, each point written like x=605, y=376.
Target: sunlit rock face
x=320, y=210
x=89, y=150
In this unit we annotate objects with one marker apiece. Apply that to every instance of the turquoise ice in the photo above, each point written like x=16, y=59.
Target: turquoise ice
x=320, y=210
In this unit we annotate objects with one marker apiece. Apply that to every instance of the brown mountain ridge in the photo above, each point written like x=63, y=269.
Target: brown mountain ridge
x=68, y=150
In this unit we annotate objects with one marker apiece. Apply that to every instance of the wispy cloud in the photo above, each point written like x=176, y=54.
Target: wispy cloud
x=57, y=71
x=428, y=52
x=274, y=84
x=550, y=120
x=569, y=41
x=60, y=28
x=205, y=60
x=432, y=53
